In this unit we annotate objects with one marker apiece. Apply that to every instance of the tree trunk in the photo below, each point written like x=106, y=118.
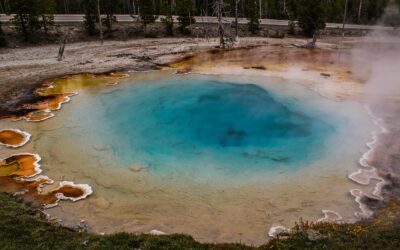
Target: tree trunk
x=65, y=7
x=61, y=49
x=314, y=40
x=242, y=8
x=344, y=18
x=313, y=43
x=24, y=27
x=220, y=26
x=284, y=7
x=100, y=24
x=44, y=20
x=236, y=19
x=190, y=24
x=359, y=11
x=109, y=20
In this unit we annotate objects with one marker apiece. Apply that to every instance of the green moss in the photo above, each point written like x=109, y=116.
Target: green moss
x=22, y=228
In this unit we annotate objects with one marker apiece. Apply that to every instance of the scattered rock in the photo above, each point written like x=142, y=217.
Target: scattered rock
x=86, y=62
x=314, y=235
x=147, y=58
x=157, y=232
x=44, y=215
x=325, y=75
x=82, y=226
x=22, y=192
x=278, y=231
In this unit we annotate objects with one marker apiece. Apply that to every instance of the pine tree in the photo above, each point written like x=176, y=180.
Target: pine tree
x=254, y=16
x=91, y=17
x=168, y=20
x=110, y=7
x=311, y=16
x=26, y=16
x=185, y=9
x=147, y=12
x=46, y=10
x=3, y=41
x=32, y=15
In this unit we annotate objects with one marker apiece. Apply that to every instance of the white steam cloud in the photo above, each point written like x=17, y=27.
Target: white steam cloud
x=376, y=59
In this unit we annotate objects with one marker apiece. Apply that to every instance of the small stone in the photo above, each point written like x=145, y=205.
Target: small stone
x=277, y=231
x=22, y=192
x=314, y=235
x=157, y=232
x=147, y=58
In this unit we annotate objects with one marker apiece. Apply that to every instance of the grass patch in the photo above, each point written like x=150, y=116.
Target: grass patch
x=22, y=228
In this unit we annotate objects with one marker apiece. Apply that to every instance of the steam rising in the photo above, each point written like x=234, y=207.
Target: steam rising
x=376, y=59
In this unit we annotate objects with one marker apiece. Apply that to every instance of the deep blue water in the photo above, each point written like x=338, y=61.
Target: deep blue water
x=187, y=124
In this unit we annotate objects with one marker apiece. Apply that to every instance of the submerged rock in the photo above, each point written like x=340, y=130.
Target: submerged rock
x=137, y=167
x=325, y=75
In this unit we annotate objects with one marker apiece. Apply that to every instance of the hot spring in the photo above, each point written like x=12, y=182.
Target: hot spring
x=222, y=158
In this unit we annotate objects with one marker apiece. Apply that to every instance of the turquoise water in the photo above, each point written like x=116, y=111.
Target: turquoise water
x=222, y=158
x=200, y=125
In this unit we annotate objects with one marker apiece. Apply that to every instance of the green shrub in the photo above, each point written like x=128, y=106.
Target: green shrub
x=254, y=17
x=311, y=16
